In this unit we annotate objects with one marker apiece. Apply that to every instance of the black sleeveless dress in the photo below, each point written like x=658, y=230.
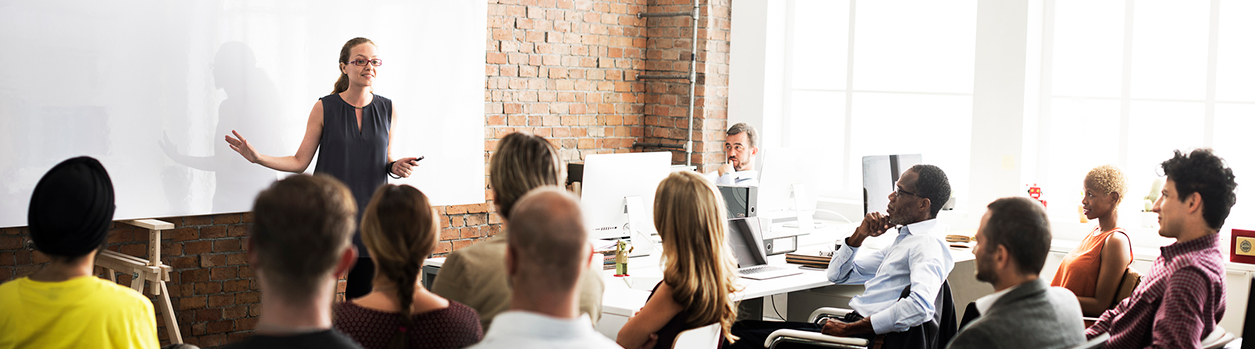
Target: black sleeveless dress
x=356, y=157
x=677, y=324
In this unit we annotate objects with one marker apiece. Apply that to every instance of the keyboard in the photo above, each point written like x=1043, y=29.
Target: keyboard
x=760, y=269
x=763, y=272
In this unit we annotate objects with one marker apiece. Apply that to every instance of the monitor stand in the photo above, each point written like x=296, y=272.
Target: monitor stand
x=639, y=228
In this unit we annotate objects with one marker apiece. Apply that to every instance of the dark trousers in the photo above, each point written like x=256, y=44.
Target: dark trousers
x=754, y=333
x=360, y=279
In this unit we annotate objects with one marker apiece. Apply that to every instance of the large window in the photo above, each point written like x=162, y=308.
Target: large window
x=1126, y=82
x=878, y=77
x=1120, y=82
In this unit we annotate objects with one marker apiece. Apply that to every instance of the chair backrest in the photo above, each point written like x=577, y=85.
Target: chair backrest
x=1096, y=343
x=703, y=337
x=1217, y=338
x=1128, y=282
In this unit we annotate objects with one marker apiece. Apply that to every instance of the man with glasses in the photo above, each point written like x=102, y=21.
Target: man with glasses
x=741, y=146
x=902, y=281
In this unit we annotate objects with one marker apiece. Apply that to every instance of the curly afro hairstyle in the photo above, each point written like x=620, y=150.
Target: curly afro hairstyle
x=1108, y=179
x=1204, y=173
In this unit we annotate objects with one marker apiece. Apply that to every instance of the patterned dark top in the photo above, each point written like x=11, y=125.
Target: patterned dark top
x=1181, y=300
x=668, y=332
x=454, y=327
x=357, y=157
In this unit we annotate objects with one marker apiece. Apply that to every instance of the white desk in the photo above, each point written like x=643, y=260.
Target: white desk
x=625, y=295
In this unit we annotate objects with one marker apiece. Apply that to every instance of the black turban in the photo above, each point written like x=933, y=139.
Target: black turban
x=71, y=208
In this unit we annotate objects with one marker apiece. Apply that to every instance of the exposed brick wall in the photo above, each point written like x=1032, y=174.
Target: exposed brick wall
x=562, y=69
x=666, y=101
x=212, y=290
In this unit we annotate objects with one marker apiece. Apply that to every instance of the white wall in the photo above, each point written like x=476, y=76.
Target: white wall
x=151, y=88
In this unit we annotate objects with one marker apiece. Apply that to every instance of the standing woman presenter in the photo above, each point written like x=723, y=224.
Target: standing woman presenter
x=352, y=128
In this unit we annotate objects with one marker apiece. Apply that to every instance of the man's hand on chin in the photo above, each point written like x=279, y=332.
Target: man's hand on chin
x=726, y=169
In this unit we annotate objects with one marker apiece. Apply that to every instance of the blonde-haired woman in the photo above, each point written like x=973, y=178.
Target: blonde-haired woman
x=400, y=229
x=699, y=271
x=1092, y=271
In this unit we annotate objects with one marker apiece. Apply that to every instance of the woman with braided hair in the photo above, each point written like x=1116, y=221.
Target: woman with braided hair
x=400, y=229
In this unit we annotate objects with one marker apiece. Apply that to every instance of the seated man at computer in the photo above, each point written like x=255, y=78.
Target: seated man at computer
x=1183, y=297
x=1025, y=312
x=902, y=281
x=741, y=146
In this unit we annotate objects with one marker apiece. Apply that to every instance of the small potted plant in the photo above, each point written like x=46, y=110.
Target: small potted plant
x=1149, y=218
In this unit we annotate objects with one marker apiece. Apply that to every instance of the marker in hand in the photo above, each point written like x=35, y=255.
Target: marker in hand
x=405, y=166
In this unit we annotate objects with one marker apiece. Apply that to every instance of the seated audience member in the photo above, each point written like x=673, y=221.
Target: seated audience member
x=918, y=260
x=1024, y=312
x=699, y=271
x=473, y=275
x=740, y=147
x=63, y=305
x=400, y=229
x=1182, y=298
x=547, y=254
x=1092, y=271
x=299, y=244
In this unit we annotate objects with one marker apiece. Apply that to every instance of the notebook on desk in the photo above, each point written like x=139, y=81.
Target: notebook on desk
x=745, y=236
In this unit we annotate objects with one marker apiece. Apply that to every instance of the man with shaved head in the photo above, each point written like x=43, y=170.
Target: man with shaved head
x=547, y=253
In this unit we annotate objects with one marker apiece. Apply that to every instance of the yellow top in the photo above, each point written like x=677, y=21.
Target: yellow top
x=85, y=312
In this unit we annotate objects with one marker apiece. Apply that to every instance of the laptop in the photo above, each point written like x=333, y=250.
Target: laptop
x=746, y=237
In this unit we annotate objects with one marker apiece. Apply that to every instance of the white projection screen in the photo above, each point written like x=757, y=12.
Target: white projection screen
x=150, y=88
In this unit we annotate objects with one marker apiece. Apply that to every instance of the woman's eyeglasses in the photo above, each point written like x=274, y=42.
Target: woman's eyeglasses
x=361, y=62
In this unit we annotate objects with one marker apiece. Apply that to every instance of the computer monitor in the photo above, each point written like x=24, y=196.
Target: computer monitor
x=782, y=171
x=880, y=177
x=745, y=237
x=610, y=180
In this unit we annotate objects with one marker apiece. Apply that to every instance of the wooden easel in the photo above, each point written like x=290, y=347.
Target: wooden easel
x=142, y=270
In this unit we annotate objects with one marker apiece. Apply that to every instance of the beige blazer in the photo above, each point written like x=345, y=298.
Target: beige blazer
x=476, y=276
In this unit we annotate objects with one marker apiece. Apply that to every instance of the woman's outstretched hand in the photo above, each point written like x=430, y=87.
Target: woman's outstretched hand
x=240, y=145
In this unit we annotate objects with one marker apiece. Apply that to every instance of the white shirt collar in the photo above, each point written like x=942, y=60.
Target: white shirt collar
x=524, y=324
x=926, y=227
x=983, y=303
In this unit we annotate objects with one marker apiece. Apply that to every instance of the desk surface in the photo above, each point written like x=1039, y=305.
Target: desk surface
x=625, y=295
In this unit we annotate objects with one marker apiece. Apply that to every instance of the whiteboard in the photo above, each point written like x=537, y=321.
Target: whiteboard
x=150, y=88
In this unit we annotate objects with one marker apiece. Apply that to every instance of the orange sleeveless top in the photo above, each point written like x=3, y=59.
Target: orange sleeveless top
x=1079, y=270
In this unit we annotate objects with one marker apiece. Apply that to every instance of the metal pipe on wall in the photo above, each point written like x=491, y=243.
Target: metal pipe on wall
x=692, y=77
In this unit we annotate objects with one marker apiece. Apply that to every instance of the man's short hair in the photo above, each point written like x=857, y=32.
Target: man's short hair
x=932, y=185
x=1204, y=173
x=302, y=224
x=522, y=162
x=750, y=133
x=1019, y=224
x=548, y=234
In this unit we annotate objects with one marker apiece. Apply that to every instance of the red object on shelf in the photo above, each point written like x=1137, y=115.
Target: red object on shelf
x=1234, y=247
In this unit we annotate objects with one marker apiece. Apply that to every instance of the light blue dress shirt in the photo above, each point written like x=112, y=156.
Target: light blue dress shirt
x=919, y=257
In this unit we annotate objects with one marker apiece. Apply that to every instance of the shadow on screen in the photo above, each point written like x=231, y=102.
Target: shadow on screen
x=252, y=108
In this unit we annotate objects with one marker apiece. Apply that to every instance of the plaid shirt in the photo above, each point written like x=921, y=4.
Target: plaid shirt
x=1176, y=305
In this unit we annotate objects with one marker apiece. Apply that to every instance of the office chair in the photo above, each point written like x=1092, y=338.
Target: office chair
x=705, y=337
x=1217, y=338
x=1096, y=343
x=934, y=334
x=1128, y=282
